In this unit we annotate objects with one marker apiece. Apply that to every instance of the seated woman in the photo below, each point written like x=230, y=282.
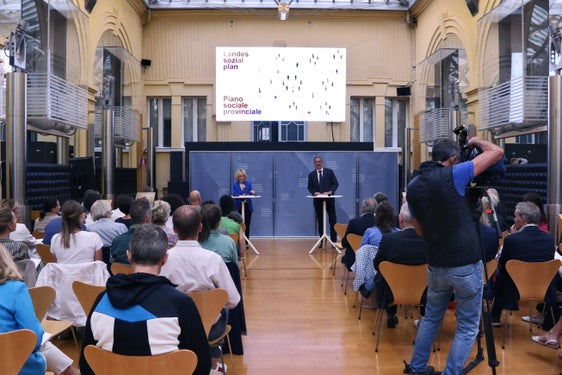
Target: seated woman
x=211, y=239
x=74, y=245
x=16, y=312
x=363, y=266
x=51, y=209
x=106, y=228
x=160, y=215
x=227, y=206
x=21, y=233
x=16, y=249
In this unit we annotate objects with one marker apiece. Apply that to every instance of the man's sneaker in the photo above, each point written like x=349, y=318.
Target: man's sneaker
x=220, y=370
x=535, y=318
x=417, y=323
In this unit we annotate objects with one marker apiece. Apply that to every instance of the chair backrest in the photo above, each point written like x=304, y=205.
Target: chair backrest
x=61, y=276
x=209, y=304
x=42, y=298
x=491, y=267
x=532, y=278
x=354, y=241
x=86, y=294
x=38, y=235
x=16, y=346
x=44, y=252
x=340, y=229
x=234, y=237
x=104, y=362
x=406, y=282
x=121, y=268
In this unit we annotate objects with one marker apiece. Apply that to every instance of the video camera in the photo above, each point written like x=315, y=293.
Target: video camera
x=490, y=175
x=467, y=153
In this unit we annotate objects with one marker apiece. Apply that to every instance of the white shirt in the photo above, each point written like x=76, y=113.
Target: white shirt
x=195, y=269
x=22, y=234
x=83, y=245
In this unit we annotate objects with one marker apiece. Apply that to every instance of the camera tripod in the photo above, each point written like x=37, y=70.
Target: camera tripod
x=485, y=319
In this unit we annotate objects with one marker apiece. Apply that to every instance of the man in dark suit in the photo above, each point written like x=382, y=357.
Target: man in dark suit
x=527, y=243
x=358, y=226
x=404, y=247
x=323, y=181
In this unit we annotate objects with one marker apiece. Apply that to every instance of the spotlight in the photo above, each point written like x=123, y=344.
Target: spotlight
x=283, y=10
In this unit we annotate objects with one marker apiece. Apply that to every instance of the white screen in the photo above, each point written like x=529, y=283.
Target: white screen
x=280, y=84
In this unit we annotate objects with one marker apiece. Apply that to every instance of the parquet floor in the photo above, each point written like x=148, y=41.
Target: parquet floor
x=300, y=322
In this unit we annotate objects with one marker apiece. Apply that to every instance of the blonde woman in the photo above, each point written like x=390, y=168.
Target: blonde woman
x=160, y=215
x=16, y=312
x=242, y=186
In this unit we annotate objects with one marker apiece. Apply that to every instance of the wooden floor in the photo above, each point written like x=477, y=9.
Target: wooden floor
x=300, y=322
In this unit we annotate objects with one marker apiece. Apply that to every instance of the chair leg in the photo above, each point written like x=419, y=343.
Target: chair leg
x=334, y=264
x=346, y=283
x=360, y=306
x=504, y=328
x=380, y=313
x=243, y=259
x=72, y=329
x=231, y=357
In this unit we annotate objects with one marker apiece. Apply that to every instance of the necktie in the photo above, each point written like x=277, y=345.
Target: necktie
x=319, y=176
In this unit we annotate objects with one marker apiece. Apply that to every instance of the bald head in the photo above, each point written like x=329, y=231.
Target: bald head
x=195, y=198
x=187, y=222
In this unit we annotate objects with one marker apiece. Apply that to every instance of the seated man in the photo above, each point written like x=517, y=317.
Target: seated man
x=141, y=213
x=405, y=247
x=142, y=313
x=529, y=244
x=358, y=226
x=193, y=269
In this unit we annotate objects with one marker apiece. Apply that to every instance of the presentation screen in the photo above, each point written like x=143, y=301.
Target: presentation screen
x=280, y=84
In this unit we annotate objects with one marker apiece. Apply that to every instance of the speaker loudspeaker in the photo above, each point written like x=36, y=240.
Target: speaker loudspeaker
x=403, y=91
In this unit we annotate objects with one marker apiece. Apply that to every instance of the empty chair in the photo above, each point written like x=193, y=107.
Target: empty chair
x=407, y=284
x=209, y=304
x=340, y=229
x=532, y=280
x=104, y=362
x=16, y=346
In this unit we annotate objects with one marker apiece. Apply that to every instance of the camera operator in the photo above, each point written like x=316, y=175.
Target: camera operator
x=443, y=217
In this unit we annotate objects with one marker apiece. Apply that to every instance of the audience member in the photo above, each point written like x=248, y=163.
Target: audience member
x=227, y=205
x=363, y=267
x=529, y=244
x=211, y=239
x=175, y=201
x=106, y=228
x=16, y=249
x=17, y=312
x=51, y=210
x=195, y=198
x=54, y=227
x=403, y=247
x=141, y=213
x=21, y=233
x=193, y=268
x=160, y=216
x=90, y=196
x=537, y=200
x=358, y=226
x=74, y=245
x=380, y=197
x=170, y=320
x=551, y=338
x=123, y=203
x=496, y=207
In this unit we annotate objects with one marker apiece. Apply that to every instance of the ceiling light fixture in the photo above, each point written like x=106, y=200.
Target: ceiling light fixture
x=283, y=9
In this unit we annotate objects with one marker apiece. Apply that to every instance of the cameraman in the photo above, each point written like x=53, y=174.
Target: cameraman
x=443, y=217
